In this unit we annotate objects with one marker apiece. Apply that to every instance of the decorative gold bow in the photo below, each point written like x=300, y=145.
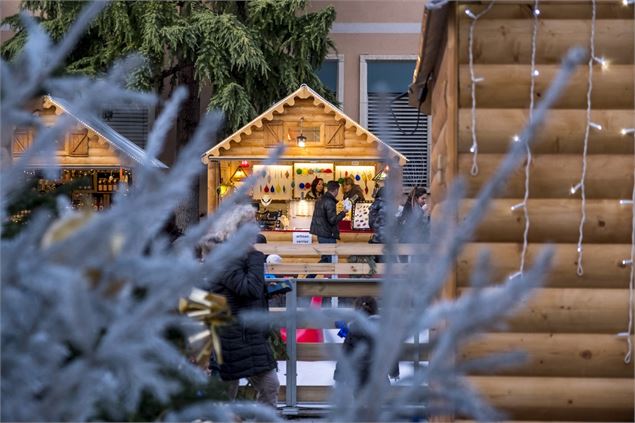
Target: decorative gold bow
x=212, y=310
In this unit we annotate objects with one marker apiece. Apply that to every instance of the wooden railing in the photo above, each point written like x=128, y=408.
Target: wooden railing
x=335, y=280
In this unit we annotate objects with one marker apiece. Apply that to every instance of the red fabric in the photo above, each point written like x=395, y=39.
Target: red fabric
x=307, y=335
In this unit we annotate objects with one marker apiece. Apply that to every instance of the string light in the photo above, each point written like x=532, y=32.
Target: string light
x=517, y=206
x=595, y=126
x=602, y=62
x=575, y=188
x=533, y=74
x=627, y=262
x=515, y=138
x=580, y=269
x=515, y=275
x=627, y=2
x=631, y=282
x=474, y=80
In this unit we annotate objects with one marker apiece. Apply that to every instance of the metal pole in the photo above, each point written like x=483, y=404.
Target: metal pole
x=292, y=350
x=334, y=300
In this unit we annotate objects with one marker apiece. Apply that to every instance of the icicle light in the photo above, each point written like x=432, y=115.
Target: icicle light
x=533, y=73
x=589, y=124
x=474, y=80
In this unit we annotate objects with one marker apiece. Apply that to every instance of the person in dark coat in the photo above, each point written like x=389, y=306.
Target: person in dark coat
x=246, y=352
x=376, y=218
x=351, y=189
x=415, y=220
x=325, y=217
x=360, y=342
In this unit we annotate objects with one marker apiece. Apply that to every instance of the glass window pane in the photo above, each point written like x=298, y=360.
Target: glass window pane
x=391, y=76
x=328, y=74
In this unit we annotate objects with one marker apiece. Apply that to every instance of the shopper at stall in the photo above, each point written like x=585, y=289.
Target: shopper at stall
x=351, y=189
x=414, y=220
x=317, y=189
x=324, y=223
x=376, y=218
x=245, y=350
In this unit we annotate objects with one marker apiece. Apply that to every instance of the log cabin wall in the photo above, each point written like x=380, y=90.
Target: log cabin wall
x=576, y=369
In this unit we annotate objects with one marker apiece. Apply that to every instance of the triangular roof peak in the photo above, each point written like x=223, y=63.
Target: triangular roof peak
x=303, y=93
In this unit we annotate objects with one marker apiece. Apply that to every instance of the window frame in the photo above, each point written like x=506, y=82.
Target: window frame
x=340, y=77
x=363, y=78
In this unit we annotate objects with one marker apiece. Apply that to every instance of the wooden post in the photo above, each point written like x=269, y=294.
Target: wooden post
x=213, y=182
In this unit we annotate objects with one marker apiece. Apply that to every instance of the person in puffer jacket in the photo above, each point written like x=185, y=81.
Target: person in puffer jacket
x=246, y=352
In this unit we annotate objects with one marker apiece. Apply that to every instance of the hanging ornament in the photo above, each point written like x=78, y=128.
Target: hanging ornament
x=272, y=189
x=287, y=175
x=357, y=177
x=212, y=310
x=307, y=185
x=292, y=184
x=266, y=188
x=298, y=171
x=301, y=185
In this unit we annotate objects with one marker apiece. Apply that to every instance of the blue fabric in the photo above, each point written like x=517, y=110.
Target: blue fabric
x=343, y=328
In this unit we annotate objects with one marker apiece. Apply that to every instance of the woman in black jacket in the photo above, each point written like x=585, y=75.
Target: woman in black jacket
x=245, y=350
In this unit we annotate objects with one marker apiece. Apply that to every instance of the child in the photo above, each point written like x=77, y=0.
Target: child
x=359, y=342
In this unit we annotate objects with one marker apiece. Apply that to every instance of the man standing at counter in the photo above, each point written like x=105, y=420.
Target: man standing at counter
x=325, y=217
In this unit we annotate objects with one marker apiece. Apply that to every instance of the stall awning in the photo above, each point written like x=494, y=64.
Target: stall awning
x=304, y=92
x=114, y=138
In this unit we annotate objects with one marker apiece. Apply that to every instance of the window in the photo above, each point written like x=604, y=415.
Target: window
x=384, y=84
x=331, y=73
x=131, y=122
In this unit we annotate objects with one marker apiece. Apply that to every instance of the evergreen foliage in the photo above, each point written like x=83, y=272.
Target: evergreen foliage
x=250, y=53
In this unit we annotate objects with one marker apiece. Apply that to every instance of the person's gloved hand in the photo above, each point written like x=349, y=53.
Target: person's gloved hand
x=343, y=328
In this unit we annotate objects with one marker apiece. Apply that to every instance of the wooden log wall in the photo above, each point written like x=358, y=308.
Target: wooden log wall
x=575, y=369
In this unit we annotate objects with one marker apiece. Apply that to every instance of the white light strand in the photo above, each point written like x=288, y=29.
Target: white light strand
x=580, y=269
x=533, y=73
x=474, y=80
x=631, y=282
x=627, y=131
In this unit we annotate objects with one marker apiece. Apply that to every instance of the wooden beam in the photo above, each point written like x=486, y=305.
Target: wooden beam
x=552, y=176
x=612, y=88
x=502, y=41
x=602, y=264
x=551, y=398
x=213, y=182
x=562, y=132
x=328, y=351
x=556, y=310
x=345, y=237
x=553, y=220
x=339, y=289
x=523, y=9
x=328, y=268
x=344, y=249
x=555, y=354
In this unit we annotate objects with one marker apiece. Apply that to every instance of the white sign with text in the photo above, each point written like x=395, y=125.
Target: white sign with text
x=301, y=238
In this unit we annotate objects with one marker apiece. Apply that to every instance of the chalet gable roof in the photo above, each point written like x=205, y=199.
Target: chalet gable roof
x=114, y=138
x=304, y=92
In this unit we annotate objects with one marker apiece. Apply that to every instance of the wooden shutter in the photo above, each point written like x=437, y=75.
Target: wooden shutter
x=22, y=139
x=274, y=133
x=334, y=135
x=78, y=143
